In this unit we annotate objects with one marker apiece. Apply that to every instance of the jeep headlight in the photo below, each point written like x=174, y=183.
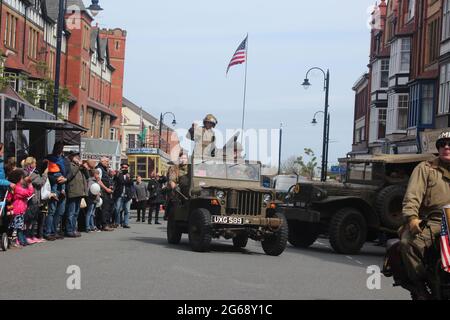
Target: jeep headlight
x=220, y=194
x=267, y=198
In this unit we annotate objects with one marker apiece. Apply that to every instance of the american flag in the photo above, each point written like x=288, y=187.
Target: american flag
x=240, y=55
x=445, y=245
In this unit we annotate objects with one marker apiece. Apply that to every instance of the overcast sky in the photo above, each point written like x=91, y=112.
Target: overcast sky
x=178, y=51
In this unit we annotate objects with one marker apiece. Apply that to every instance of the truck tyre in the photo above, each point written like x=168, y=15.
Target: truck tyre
x=240, y=241
x=173, y=231
x=389, y=206
x=200, y=230
x=275, y=244
x=348, y=231
x=302, y=234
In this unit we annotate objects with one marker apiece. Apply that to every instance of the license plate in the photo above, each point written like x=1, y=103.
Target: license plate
x=226, y=220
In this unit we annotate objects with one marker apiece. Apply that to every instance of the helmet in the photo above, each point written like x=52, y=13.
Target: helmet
x=95, y=189
x=443, y=136
x=211, y=118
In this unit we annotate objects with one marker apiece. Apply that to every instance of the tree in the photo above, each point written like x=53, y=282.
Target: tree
x=301, y=165
x=308, y=169
x=290, y=166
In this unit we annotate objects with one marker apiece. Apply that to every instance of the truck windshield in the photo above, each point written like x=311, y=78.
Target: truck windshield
x=242, y=171
x=284, y=183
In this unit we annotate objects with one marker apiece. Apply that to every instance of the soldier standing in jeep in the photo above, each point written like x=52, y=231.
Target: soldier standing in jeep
x=204, y=138
x=428, y=191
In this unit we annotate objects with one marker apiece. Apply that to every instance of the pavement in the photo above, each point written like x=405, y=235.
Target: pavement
x=138, y=263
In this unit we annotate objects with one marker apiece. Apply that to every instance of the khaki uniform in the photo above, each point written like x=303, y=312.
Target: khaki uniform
x=178, y=174
x=205, y=142
x=428, y=191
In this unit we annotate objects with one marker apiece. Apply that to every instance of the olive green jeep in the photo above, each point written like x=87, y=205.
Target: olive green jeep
x=366, y=204
x=218, y=199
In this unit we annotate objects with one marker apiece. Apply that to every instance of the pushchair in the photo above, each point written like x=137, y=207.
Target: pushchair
x=4, y=224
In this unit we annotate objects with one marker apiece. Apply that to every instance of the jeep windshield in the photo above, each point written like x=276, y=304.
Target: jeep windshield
x=240, y=171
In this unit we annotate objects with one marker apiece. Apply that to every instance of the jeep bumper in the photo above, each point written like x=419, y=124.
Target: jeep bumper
x=300, y=214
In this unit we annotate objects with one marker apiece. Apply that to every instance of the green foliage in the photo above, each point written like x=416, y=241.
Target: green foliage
x=43, y=89
x=308, y=168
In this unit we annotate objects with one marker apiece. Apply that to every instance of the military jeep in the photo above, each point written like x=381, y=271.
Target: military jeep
x=219, y=199
x=366, y=204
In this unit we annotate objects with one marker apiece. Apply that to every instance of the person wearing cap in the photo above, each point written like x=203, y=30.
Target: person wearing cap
x=427, y=193
x=204, y=138
x=77, y=189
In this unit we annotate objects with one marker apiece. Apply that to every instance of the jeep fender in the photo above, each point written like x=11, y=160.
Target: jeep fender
x=334, y=204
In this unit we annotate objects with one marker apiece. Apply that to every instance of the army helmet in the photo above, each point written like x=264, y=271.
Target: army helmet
x=210, y=118
x=443, y=136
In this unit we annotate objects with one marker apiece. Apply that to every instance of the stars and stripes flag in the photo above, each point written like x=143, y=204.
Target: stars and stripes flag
x=240, y=56
x=445, y=245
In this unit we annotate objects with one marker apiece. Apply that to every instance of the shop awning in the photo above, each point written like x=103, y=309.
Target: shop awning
x=57, y=125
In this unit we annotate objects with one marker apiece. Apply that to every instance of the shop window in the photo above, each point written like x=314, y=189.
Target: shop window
x=142, y=167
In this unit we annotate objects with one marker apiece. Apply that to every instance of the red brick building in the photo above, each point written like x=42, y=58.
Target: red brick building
x=92, y=67
x=407, y=80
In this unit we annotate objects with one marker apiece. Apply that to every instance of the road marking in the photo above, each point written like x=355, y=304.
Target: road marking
x=348, y=257
x=358, y=262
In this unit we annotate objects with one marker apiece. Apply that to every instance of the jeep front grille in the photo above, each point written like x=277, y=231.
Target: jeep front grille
x=249, y=203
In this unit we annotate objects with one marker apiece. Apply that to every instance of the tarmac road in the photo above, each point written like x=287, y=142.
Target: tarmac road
x=138, y=263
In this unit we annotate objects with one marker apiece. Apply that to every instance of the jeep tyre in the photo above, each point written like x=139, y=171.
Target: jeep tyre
x=302, y=234
x=388, y=205
x=200, y=230
x=348, y=231
x=240, y=241
x=173, y=231
x=275, y=244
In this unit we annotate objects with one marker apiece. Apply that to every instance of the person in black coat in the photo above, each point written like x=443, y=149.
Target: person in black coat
x=123, y=195
x=156, y=197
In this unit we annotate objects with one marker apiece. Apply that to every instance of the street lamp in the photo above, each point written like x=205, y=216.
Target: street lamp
x=327, y=124
x=161, y=120
x=279, y=150
x=95, y=9
x=314, y=120
x=306, y=84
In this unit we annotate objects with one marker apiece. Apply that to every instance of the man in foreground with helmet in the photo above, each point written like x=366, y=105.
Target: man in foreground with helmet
x=428, y=191
x=204, y=138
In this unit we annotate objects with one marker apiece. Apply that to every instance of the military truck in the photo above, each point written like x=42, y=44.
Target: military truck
x=367, y=203
x=219, y=199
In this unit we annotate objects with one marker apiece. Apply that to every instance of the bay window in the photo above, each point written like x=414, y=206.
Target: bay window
x=380, y=75
x=446, y=21
x=377, y=124
x=400, y=56
x=397, y=113
x=444, y=92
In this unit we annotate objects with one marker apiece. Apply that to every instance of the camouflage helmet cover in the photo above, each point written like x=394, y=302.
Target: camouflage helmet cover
x=210, y=118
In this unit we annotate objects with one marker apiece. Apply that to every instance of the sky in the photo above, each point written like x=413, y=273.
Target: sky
x=178, y=51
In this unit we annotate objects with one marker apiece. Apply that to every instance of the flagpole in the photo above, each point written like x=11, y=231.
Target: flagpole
x=245, y=91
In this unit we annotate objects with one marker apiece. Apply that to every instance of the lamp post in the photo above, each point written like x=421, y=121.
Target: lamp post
x=306, y=84
x=95, y=9
x=279, y=151
x=327, y=125
x=161, y=120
